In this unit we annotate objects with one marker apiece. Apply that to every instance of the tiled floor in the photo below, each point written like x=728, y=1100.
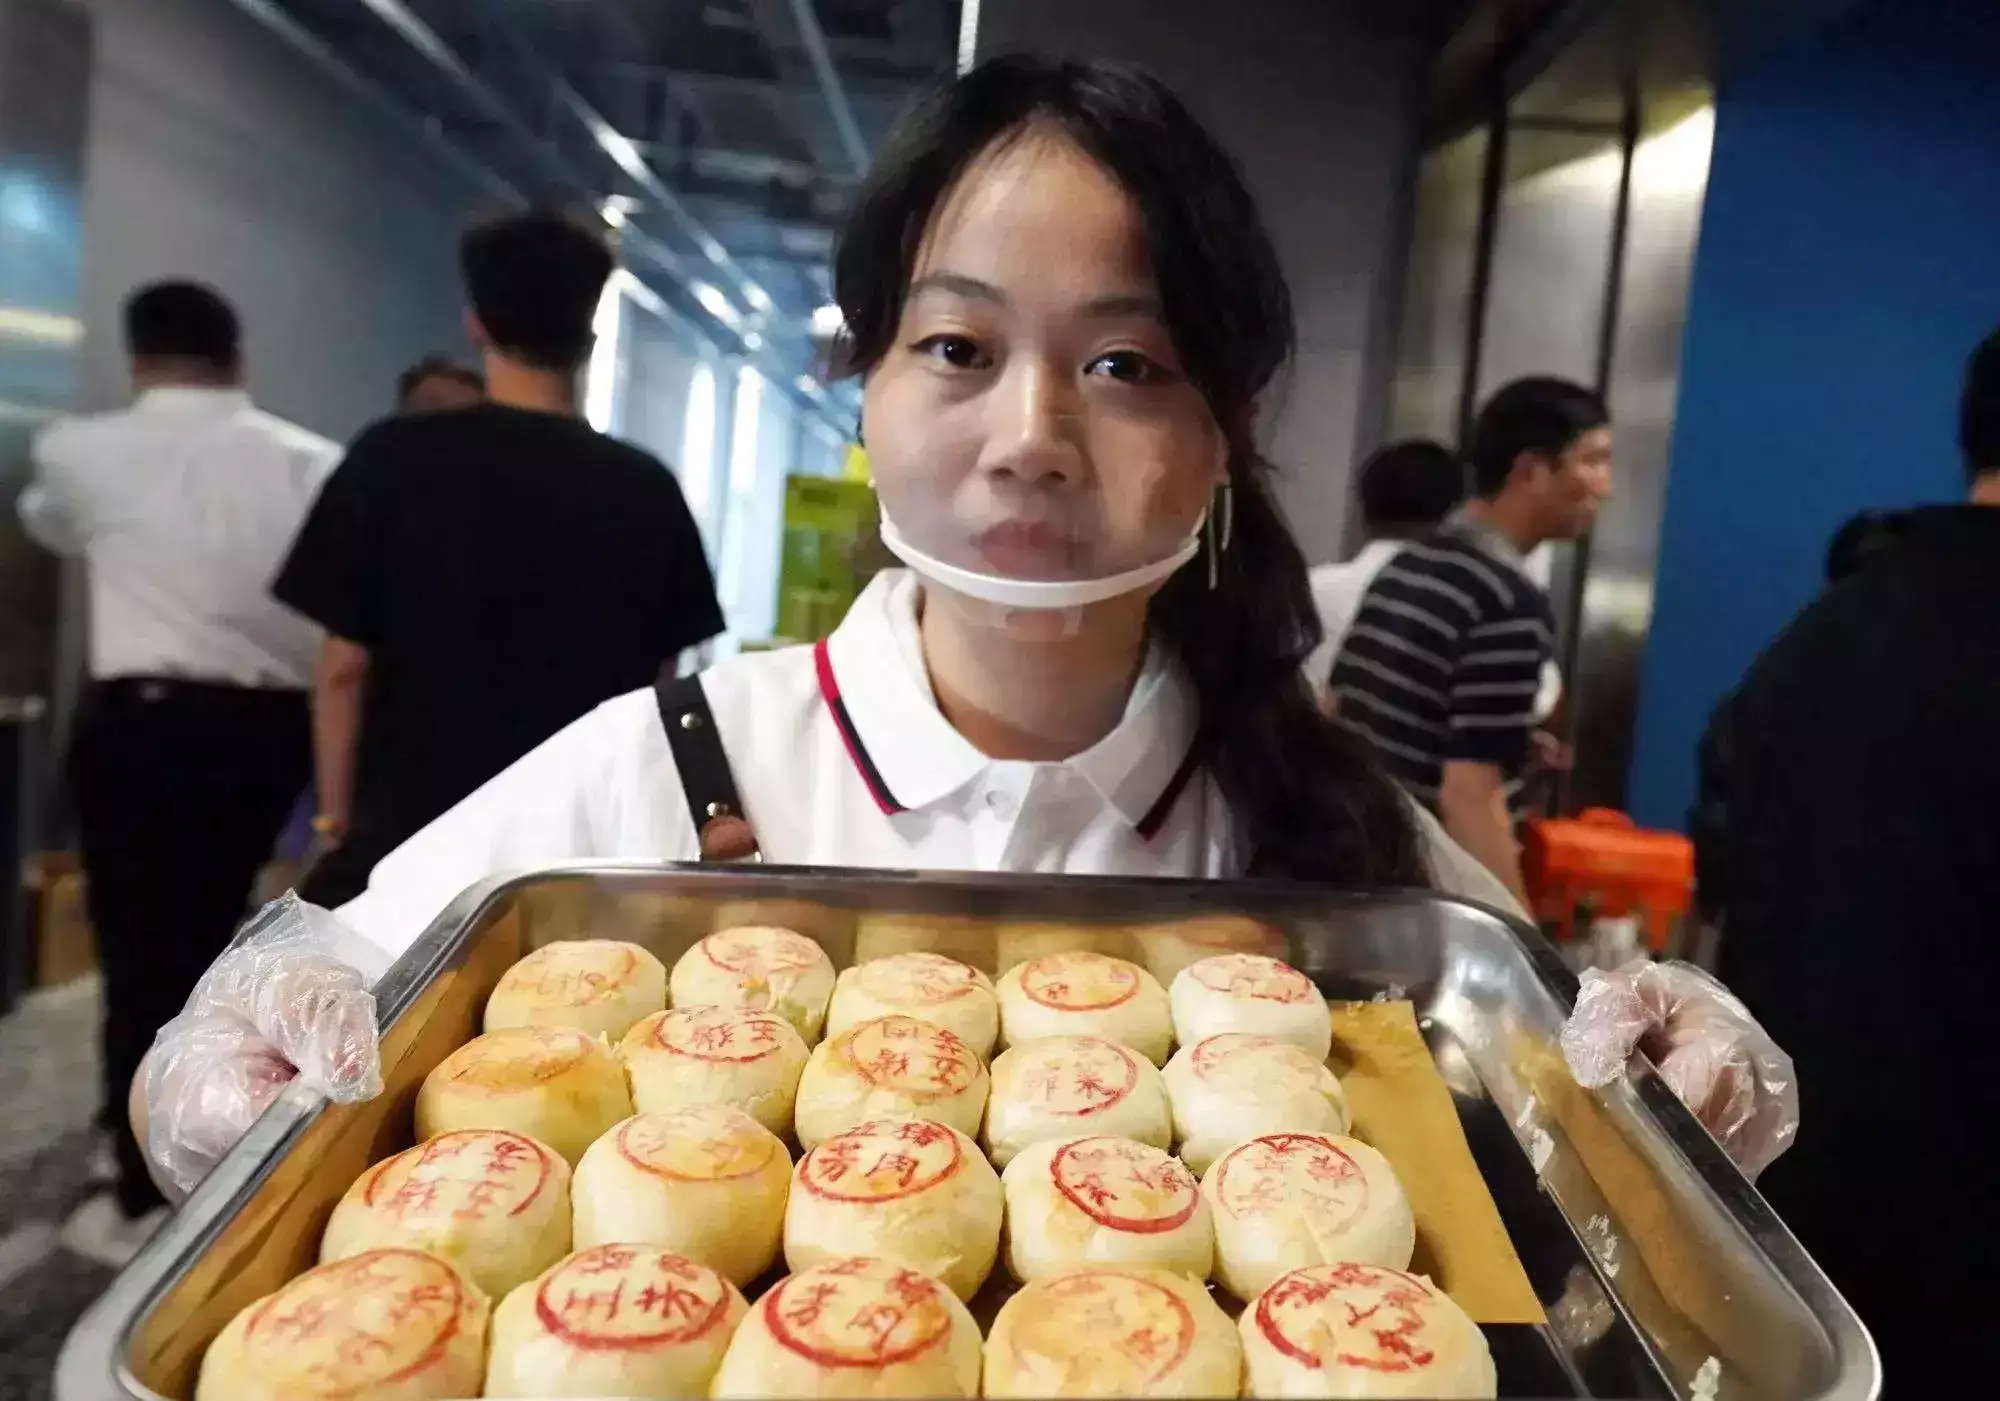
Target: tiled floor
x=48, y=1098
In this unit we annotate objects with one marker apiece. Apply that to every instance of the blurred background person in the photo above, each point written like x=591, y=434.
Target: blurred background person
x=1406, y=490
x=1848, y=830
x=1864, y=537
x=191, y=742
x=1446, y=664
x=458, y=639
x=438, y=382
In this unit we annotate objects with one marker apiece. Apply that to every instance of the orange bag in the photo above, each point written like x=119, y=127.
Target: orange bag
x=1600, y=864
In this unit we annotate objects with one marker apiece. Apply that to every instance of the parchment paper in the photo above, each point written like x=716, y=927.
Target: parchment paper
x=1403, y=1109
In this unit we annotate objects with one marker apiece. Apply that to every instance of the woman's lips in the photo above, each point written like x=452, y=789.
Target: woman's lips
x=1031, y=549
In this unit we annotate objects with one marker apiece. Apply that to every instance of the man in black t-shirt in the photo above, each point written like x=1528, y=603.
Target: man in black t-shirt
x=486, y=575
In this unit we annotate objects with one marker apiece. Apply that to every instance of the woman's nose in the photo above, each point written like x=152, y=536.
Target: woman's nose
x=1034, y=425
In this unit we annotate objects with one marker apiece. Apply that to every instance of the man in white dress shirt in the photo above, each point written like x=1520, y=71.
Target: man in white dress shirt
x=1406, y=490
x=192, y=740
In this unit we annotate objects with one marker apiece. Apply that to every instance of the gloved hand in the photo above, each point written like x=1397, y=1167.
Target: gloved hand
x=1707, y=1046
x=285, y=1001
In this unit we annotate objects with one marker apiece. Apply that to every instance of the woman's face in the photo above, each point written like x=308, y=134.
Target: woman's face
x=1031, y=418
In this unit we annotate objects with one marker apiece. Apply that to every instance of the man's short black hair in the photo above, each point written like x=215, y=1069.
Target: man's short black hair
x=181, y=320
x=534, y=278
x=1979, y=409
x=1409, y=486
x=437, y=367
x=1540, y=414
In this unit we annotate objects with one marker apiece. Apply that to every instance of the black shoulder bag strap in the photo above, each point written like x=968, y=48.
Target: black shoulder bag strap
x=720, y=826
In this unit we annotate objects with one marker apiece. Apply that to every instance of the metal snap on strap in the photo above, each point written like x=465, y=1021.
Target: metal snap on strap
x=719, y=810
x=690, y=720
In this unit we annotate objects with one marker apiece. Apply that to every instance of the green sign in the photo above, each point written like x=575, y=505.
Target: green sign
x=832, y=548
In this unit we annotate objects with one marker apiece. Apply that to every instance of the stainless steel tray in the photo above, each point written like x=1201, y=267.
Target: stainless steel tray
x=1662, y=1270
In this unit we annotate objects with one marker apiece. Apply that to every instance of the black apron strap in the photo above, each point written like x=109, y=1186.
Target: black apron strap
x=720, y=826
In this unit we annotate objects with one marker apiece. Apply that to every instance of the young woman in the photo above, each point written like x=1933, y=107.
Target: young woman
x=1064, y=311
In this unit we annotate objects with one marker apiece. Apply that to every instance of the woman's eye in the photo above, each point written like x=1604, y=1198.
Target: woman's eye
x=1129, y=367
x=960, y=352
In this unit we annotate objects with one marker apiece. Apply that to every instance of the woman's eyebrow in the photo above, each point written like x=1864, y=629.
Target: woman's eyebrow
x=1112, y=305
x=959, y=285
x=1123, y=304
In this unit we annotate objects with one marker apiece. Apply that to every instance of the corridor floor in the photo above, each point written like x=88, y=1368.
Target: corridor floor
x=48, y=1098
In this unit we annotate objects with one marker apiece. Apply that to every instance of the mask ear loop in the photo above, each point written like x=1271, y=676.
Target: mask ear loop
x=1221, y=523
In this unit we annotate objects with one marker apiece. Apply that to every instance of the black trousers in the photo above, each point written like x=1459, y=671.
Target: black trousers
x=181, y=791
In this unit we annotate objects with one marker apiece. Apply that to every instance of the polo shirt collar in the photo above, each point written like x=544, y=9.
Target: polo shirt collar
x=192, y=398
x=877, y=665
x=1488, y=538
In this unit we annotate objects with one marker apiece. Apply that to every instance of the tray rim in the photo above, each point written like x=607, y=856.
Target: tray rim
x=93, y=1361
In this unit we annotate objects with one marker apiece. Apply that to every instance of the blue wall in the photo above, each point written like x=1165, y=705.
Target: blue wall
x=1849, y=260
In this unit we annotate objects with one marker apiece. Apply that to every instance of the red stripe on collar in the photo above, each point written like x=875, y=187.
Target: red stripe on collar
x=871, y=777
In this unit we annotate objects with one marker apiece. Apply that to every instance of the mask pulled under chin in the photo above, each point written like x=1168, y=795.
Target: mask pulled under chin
x=1036, y=595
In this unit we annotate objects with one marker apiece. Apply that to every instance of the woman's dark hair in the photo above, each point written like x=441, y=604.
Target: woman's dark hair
x=1539, y=414
x=1306, y=794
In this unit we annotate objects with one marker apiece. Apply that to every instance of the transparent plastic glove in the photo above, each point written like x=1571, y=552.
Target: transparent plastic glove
x=1707, y=1046
x=288, y=1000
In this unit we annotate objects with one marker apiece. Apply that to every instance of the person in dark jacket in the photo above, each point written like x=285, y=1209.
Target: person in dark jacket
x=1848, y=840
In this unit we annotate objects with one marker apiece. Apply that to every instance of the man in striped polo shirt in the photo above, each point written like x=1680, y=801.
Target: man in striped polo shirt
x=1446, y=655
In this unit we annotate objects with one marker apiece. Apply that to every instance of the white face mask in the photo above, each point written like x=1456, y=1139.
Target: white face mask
x=1036, y=595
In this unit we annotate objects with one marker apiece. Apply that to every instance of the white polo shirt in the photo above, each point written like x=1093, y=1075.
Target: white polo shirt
x=1337, y=591
x=841, y=757
x=183, y=505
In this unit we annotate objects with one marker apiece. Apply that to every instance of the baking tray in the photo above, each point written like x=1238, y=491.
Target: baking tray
x=1661, y=1270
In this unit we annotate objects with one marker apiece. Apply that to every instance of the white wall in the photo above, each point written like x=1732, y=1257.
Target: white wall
x=1320, y=110
x=218, y=152
x=660, y=363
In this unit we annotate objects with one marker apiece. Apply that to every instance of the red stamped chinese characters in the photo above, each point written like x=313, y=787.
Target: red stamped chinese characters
x=1125, y=1185
x=1079, y=982
x=572, y=973
x=719, y=1033
x=469, y=1175
x=1074, y=1074
x=1142, y=1325
x=702, y=1143
x=909, y=1057
x=1241, y=1058
x=371, y=1320
x=881, y=1160
x=516, y=1059
x=628, y=1297
x=1212, y=1053
x=1253, y=975
x=1350, y=1316
x=1296, y=1171
x=857, y=1312
x=916, y=979
x=755, y=954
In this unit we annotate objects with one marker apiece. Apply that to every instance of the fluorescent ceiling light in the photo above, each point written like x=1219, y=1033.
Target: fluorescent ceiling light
x=47, y=327
x=717, y=305
x=827, y=322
